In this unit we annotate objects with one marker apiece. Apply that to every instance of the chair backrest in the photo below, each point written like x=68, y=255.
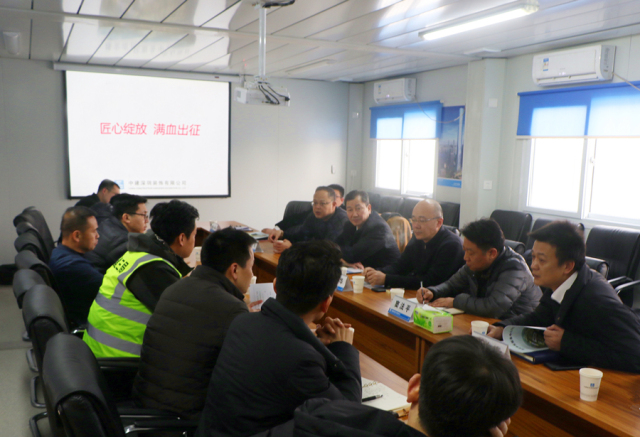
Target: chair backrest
x=27, y=228
x=515, y=225
x=517, y=246
x=406, y=208
x=77, y=390
x=26, y=259
x=452, y=229
x=619, y=247
x=387, y=215
x=23, y=281
x=29, y=241
x=401, y=230
x=36, y=219
x=540, y=222
x=296, y=207
x=599, y=265
x=43, y=317
x=390, y=204
x=451, y=214
x=375, y=201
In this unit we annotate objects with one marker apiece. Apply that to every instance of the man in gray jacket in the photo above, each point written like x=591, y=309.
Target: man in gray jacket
x=495, y=282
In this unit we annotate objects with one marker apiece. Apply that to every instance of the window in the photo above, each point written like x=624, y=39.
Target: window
x=582, y=147
x=406, y=146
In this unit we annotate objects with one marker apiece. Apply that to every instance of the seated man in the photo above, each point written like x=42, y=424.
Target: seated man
x=129, y=216
x=367, y=240
x=185, y=332
x=99, y=202
x=326, y=223
x=585, y=319
x=271, y=362
x=469, y=390
x=495, y=282
x=339, y=190
x=78, y=281
x=432, y=256
x=133, y=285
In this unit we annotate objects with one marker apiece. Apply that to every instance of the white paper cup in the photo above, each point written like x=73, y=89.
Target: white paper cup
x=589, y=383
x=358, y=283
x=197, y=250
x=344, y=270
x=398, y=291
x=480, y=327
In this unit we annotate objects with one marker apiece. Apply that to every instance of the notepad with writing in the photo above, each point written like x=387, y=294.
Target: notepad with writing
x=390, y=400
x=261, y=292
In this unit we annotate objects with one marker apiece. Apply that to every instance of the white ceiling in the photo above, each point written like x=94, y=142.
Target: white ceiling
x=361, y=39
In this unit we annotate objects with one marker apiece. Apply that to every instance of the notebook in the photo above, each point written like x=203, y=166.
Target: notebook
x=390, y=400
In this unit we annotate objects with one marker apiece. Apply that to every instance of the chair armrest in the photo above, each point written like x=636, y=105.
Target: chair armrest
x=622, y=291
x=616, y=282
x=119, y=373
x=188, y=426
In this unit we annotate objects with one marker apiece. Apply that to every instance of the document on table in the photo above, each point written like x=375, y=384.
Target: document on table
x=390, y=400
x=452, y=311
x=261, y=292
x=352, y=271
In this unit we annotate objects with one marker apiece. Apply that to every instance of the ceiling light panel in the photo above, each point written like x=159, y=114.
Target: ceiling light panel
x=198, y=12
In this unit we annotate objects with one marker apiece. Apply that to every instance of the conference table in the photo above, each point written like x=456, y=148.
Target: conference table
x=552, y=405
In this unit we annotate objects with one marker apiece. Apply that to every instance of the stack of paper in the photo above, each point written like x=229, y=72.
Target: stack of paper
x=261, y=292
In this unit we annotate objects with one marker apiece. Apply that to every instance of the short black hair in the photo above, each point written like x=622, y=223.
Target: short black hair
x=466, y=388
x=125, y=204
x=75, y=218
x=357, y=193
x=484, y=233
x=340, y=188
x=329, y=191
x=566, y=238
x=307, y=274
x=108, y=184
x=170, y=219
x=225, y=247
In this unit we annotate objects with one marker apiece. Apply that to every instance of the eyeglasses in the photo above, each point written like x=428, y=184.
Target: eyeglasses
x=145, y=215
x=422, y=220
x=357, y=209
x=314, y=203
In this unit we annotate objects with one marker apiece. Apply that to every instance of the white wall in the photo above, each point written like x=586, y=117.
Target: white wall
x=277, y=154
x=448, y=85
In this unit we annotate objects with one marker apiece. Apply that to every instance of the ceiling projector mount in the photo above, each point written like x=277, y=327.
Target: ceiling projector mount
x=259, y=91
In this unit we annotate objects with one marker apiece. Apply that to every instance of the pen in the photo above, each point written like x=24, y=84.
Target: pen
x=421, y=287
x=371, y=398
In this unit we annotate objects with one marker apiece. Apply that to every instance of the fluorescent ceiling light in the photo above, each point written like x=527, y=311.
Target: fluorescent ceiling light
x=493, y=16
x=311, y=66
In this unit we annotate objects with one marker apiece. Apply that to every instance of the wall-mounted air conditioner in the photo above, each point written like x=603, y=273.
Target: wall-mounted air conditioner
x=588, y=64
x=397, y=90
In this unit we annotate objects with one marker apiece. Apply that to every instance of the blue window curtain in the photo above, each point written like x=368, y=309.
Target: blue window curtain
x=410, y=122
x=600, y=110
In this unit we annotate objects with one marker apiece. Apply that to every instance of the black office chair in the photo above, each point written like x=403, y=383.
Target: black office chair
x=453, y=229
x=27, y=228
x=375, y=201
x=81, y=401
x=387, y=215
x=620, y=247
x=28, y=241
x=23, y=280
x=517, y=246
x=296, y=207
x=390, y=204
x=599, y=265
x=36, y=219
x=451, y=214
x=26, y=259
x=515, y=225
x=406, y=208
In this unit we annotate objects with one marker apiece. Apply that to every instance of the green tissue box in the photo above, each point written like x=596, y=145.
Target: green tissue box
x=434, y=321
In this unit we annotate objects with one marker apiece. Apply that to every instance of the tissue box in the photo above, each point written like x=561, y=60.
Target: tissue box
x=434, y=321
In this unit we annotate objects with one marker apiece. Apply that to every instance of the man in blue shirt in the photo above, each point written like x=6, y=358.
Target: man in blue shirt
x=78, y=281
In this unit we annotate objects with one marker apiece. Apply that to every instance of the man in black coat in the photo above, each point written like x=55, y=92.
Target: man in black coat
x=432, y=256
x=185, y=333
x=129, y=216
x=585, y=320
x=367, y=240
x=106, y=190
x=271, y=362
x=469, y=390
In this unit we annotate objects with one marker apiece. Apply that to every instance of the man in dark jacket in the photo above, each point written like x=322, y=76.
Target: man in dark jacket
x=271, y=362
x=585, y=320
x=185, y=332
x=495, y=282
x=367, y=240
x=325, y=223
x=78, y=281
x=106, y=190
x=133, y=285
x=129, y=216
x=432, y=256
x=469, y=390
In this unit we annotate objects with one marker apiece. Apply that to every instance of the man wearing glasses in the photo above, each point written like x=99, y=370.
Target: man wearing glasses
x=432, y=256
x=129, y=216
x=326, y=223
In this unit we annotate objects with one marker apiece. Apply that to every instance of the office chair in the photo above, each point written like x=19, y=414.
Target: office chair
x=34, y=217
x=27, y=228
x=26, y=259
x=599, y=265
x=390, y=204
x=375, y=201
x=517, y=246
x=619, y=247
x=387, y=215
x=23, y=281
x=296, y=207
x=81, y=401
x=401, y=230
x=406, y=208
x=451, y=214
x=514, y=224
x=453, y=229
x=29, y=241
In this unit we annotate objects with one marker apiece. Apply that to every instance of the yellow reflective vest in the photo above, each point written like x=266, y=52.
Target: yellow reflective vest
x=117, y=319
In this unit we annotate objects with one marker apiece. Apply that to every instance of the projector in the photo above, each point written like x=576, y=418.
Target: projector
x=262, y=93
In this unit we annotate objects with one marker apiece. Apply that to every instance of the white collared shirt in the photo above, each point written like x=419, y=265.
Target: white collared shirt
x=558, y=295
